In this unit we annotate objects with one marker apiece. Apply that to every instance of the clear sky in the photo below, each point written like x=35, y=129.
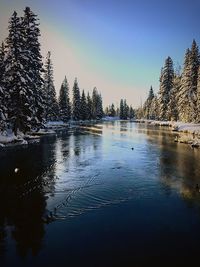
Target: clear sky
x=119, y=46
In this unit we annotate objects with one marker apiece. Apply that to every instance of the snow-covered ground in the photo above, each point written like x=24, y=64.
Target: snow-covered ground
x=176, y=126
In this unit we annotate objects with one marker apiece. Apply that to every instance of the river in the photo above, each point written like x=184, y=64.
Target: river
x=115, y=194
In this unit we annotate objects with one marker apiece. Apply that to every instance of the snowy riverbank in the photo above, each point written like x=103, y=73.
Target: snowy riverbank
x=189, y=132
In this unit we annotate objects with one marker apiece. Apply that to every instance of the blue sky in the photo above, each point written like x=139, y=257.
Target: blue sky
x=118, y=46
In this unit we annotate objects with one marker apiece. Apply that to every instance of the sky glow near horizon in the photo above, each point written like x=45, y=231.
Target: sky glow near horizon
x=117, y=46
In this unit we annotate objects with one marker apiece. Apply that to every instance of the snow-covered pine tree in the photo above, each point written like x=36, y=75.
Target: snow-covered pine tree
x=121, y=112
x=194, y=66
x=154, y=113
x=126, y=109
x=183, y=95
x=64, y=102
x=17, y=78
x=166, y=84
x=51, y=104
x=131, y=113
x=89, y=107
x=148, y=103
x=173, y=101
x=31, y=34
x=83, y=107
x=198, y=98
x=112, y=112
x=3, y=107
x=76, y=101
x=97, y=106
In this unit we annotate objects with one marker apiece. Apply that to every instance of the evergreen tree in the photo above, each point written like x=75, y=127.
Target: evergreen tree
x=131, y=113
x=183, y=105
x=198, y=98
x=76, y=101
x=148, y=103
x=89, y=107
x=83, y=107
x=166, y=84
x=51, y=105
x=64, y=102
x=97, y=106
x=194, y=66
x=17, y=78
x=126, y=109
x=172, y=106
x=112, y=112
x=155, y=108
x=3, y=108
x=34, y=66
x=121, y=114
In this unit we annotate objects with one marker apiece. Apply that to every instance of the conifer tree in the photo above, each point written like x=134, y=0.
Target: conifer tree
x=76, y=101
x=112, y=112
x=121, y=114
x=51, y=105
x=89, y=107
x=83, y=107
x=183, y=95
x=148, y=103
x=17, y=79
x=34, y=66
x=131, y=113
x=3, y=108
x=198, y=98
x=166, y=84
x=64, y=102
x=173, y=101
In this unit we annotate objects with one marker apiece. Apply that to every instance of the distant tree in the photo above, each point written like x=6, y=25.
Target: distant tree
x=148, y=104
x=112, y=112
x=76, y=101
x=64, y=102
x=89, y=107
x=51, y=104
x=83, y=107
x=97, y=106
x=121, y=114
x=131, y=113
x=166, y=84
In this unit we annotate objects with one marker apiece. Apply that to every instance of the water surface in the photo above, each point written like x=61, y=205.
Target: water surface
x=117, y=194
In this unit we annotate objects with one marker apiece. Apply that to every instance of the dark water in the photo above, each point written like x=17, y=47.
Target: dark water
x=88, y=199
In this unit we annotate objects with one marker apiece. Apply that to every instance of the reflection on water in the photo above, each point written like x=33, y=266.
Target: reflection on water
x=126, y=187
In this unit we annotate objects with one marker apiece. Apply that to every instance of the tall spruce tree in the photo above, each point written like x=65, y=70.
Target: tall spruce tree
x=64, y=102
x=173, y=101
x=194, y=66
x=51, y=104
x=3, y=107
x=148, y=104
x=121, y=112
x=83, y=107
x=166, y=84
x=198, y=98
x=89, y=107
x=17, y=78
x=34, y=66
x=76, y=101
x=97, y=106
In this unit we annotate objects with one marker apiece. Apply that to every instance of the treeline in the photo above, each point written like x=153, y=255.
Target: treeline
x=27, y=92
x=124, y=112
x=179, y=93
